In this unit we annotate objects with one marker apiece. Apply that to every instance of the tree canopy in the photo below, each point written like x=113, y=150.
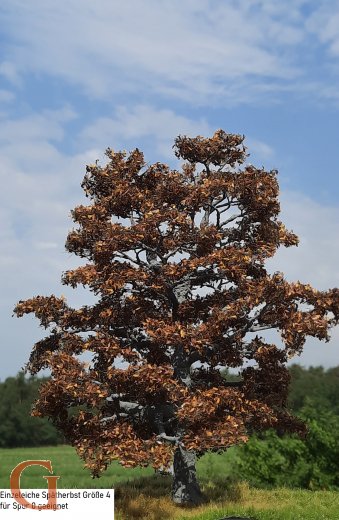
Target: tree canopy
x=148, y=316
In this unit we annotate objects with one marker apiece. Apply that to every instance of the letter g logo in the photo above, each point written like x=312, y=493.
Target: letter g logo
x=52, y=485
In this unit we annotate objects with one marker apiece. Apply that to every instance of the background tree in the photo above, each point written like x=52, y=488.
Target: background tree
x=17, y=428
x=156, y=406
x=288, y=461
x=315, y=383
x=321, y=386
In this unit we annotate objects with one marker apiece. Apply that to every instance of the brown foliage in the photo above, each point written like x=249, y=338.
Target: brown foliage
x=156, y=403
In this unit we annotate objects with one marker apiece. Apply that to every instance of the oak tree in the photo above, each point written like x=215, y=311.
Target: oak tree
x=158, y=409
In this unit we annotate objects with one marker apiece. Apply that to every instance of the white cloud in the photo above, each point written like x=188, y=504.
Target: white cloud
x=9, y=70
x=314, y=261
x=262, y=149
x=37, y=126
x=6, y=96
x=141, y=121
x=45, y=245
x=183, y=49
x=324, y=22
x=145, y=120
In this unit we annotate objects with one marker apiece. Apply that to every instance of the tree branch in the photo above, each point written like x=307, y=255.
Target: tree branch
x=255, y=328
x=233, y=217
x=165, y=437
x=115, y=416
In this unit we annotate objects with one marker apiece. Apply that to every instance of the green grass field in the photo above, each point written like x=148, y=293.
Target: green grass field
x=140, y=493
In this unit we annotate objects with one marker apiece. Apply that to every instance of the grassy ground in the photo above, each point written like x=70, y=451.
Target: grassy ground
x=141, y=494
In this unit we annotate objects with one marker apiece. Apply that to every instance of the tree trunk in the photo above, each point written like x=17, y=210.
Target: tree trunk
x=185, y=487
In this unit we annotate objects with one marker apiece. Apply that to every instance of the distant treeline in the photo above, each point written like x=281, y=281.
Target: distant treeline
x=17, y=428
x=17, y=395
x=321, y=386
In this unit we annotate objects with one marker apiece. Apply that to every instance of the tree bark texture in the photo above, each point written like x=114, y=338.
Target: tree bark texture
x=185, y=487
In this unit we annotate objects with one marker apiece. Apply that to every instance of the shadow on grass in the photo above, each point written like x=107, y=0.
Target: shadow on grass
x=150, y=497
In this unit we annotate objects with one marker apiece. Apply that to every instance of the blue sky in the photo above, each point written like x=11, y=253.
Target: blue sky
x=77, y=77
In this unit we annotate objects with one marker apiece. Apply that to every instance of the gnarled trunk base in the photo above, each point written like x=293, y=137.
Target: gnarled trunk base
x=185, y=487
